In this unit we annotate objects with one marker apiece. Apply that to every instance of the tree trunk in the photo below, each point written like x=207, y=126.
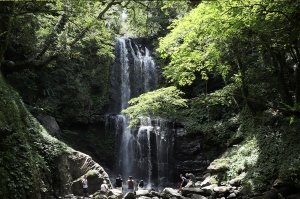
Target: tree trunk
x=5, y=28
x=297, y=72
x=297, y=78
x=279, y=63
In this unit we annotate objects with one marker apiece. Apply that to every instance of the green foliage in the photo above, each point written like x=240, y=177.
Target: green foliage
x=242, y=157
x=150, y=18
x=26, y=150
x=236, y=38
x=269, y=151
x=75, y=87
x=161, y=102
x=192, y=45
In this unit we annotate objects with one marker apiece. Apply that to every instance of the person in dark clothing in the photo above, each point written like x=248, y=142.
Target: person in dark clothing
x=191, y=179
x=141, y=184
x=119, y=183
x=184, y=182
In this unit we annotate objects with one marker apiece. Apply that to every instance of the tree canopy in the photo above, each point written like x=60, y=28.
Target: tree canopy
x=251, y=45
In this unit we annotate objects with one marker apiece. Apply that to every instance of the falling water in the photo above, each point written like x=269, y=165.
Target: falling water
x=143, y=152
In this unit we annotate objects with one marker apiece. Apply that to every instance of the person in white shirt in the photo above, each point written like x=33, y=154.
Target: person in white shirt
x=104, y=187
x=85, y=186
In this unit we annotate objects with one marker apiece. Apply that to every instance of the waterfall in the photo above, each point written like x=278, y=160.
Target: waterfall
x=142, y=152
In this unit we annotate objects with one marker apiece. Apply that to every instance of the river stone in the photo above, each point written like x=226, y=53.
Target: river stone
x=198, y=184
x=170, y=193
x=208, y=190
x=221, y=189
x=115, y=192
x=238, y=180
x=143, y=197
x=70, y=196
x=155, y=194
x=272, y=194
x=294, y=196
x=232, y=195
x=100, y=196
x=193, y=190
x=205, y=182
x=142, y=192
x=196, y=196
x=129, y=195
x=218, y=165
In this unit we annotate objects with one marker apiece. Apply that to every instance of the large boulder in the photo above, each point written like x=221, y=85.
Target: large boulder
x=142, y=192
x=50, y=124
x=293, y=196
x=285, y=188
x=70, y=168
x=208, y=190
x=115, y=193
x=129, y=195
x=195, y=196
x=217, y=166
x=206, y=181
x=171, y=193
x=238, y=180
x=188, y=192
x=143, y=197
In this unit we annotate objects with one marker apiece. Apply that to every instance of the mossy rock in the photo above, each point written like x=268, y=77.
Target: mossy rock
x=218, y=165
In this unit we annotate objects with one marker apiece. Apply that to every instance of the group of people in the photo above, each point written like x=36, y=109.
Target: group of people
x=130, y=183
x=188, y=179
x=118, y=185
x=103, y=188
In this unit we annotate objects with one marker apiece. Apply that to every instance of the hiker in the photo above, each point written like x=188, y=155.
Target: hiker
x=104, y=187
x=141, y=184
x=119, y=182
x=183, y=183
x=192, y=179
x=85, y=186
x=130, y=183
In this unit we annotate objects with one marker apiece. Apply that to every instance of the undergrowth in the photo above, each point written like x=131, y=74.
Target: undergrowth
x=26, y=150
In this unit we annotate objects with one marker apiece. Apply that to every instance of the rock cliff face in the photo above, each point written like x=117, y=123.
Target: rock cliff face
x=192, y=153
x=33, y=164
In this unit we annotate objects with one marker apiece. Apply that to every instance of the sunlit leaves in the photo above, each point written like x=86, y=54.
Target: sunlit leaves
x=199, y=40
x=162, y=102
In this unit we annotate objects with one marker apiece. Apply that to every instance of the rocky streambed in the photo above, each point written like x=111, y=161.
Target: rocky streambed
x=207, y=188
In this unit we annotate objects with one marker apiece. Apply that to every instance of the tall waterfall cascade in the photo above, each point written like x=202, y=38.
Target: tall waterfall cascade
x=144, y=152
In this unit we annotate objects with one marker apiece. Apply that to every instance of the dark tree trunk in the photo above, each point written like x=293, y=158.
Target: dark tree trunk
x=297, y=72
x=297, y=78
x=5, y=28
x=280, y=64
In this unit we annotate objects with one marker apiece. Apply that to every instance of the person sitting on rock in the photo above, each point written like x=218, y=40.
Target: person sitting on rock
x=130, y=183
x=85, y=186
x=183, y=183
x=104, y=187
